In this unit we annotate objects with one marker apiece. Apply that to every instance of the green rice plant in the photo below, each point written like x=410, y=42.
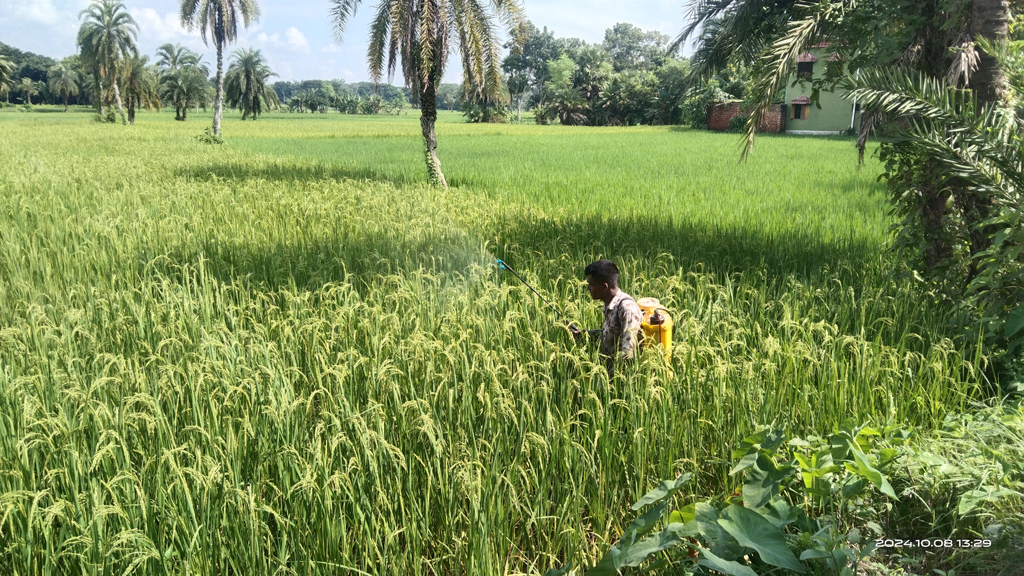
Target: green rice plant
x=289, y=355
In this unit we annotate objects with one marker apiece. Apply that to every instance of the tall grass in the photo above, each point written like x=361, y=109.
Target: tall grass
x=287, y=355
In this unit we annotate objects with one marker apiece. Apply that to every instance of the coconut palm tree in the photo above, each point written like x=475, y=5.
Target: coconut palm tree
x=28, y=89
x=107, y=39
x=416, y=34
x=63, y=81
x=219, y=20
x=245, y=84
x=140, y=86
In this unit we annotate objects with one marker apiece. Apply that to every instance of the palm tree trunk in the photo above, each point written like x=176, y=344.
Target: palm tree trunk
x=218, y=99
x=428, y=116
x=117, y=100
x=989, y=20
x=65, y=104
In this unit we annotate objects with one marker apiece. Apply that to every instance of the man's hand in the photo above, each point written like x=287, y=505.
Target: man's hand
x=576, y=332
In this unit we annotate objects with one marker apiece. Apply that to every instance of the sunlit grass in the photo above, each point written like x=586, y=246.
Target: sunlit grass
x=288, y=355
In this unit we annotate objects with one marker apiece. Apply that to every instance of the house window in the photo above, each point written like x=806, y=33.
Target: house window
x=799, y=111
x=804, y=68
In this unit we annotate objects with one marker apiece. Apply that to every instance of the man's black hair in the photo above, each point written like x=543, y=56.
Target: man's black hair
x=603, y=271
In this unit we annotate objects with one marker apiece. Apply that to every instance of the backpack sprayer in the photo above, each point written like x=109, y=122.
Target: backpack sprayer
x=656, y=326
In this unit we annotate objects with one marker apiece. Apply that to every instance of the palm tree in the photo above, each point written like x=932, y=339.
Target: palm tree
x=6, y=75
x=63, y=82
x=989, y=20
x=570, y=106
x=28, y=89
x=172, y=56
x=771, y=33
x=416, y=33
x=245, y=84
x=140, y=86
x=219, y=19
x=107, y=40
x=184, y=88
x=976, y=151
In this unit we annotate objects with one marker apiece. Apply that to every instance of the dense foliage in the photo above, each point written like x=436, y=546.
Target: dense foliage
x=943, y=79
x=631, y=78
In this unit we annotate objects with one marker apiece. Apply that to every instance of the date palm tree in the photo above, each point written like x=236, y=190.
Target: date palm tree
x=416, y=34
x=772, y=33
x=140, y=83
x=185, y=87
x=245, y=84
x=28, y=89
x=218, y=20
x=107, y=39
x=63, y=81
x=6, y=75
x=172, y=56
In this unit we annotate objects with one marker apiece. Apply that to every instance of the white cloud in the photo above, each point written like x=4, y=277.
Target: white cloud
x=163, y=29
x=331, y=49
x=297, y=40
x=41, y=11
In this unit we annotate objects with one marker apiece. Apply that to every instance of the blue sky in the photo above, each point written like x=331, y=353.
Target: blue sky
x=296, y=35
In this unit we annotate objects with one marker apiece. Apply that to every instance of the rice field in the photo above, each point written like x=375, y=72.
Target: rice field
x=287, y=355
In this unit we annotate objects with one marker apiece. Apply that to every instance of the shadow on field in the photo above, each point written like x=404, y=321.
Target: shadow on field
x=643, y=241
x=363, y=261
x=278, y=171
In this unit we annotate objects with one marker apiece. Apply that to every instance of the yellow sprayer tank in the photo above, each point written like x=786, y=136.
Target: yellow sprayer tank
x=656, y=325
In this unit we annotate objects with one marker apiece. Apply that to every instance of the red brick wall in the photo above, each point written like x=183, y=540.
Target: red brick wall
x=720, y=114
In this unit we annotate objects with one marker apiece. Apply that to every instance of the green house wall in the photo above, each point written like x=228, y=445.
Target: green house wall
x=835, y=113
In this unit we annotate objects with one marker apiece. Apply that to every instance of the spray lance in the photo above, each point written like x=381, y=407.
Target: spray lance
x=505, y=266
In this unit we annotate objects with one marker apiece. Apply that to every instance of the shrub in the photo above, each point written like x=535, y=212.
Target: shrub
x=737, y=123
x=208, y=137
x=695, y=107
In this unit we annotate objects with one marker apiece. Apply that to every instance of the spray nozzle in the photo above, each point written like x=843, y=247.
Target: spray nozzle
x=501, y=264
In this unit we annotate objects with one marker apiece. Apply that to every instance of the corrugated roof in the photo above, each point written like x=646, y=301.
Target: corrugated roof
x=807, y=57
x=800, y=100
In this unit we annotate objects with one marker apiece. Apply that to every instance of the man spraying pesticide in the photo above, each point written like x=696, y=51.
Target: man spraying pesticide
x=625, y=320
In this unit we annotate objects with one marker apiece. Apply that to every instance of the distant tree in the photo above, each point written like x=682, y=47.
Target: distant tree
x=593, y=70
x=448, y=96
x=27, y=88
x=141, y=86
x=63, y=81
x=245, y=85
x=174, y=56
x=416, y=34
x=569, y=105
x=184, y=88
x=107, y=39
x=526, y=66
x=6, y=75
x=633, y=49
x=346, y=103
x=219, y=20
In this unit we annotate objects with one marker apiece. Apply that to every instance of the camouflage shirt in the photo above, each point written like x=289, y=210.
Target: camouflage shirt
x=622, y=319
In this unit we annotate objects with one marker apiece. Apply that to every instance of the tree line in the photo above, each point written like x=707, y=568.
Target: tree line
x=357, y=97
